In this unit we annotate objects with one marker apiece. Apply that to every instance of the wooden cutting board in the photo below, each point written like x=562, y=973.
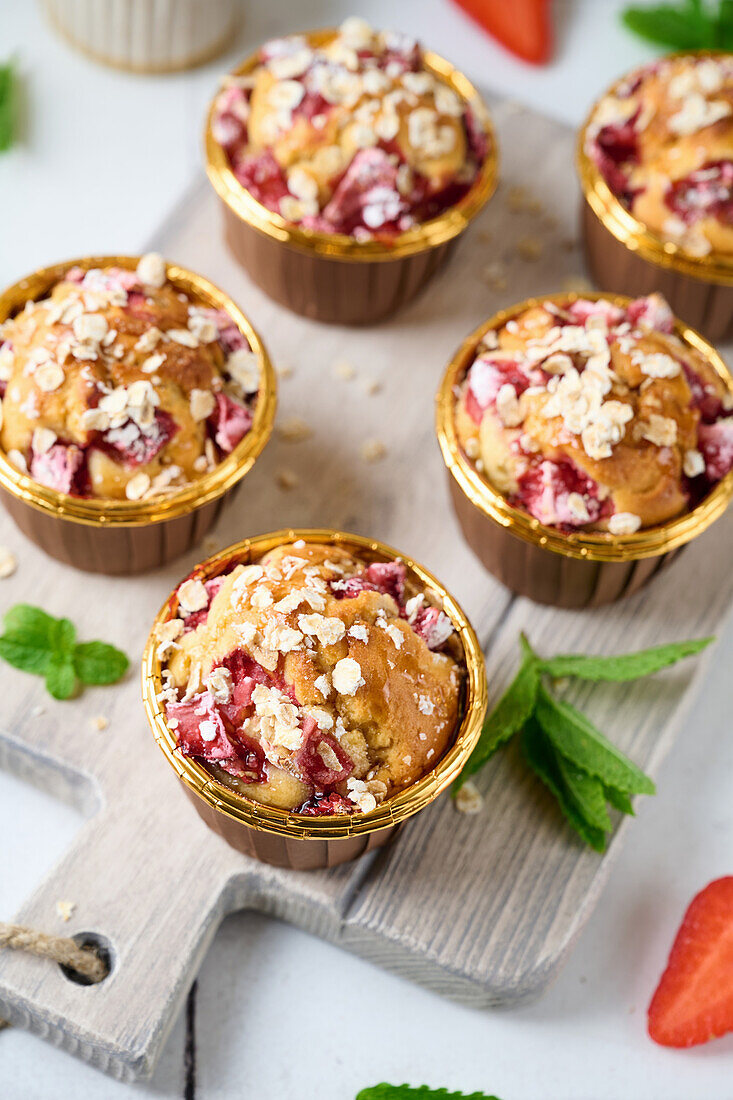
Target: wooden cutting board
x=483, y=909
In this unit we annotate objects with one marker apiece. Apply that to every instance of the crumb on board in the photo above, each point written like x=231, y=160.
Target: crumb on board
x=373, y=450
x=99, y=722
x=8, y=562
x=469, y=799
x=65, y=909
x=294, y=429
x=286, y=480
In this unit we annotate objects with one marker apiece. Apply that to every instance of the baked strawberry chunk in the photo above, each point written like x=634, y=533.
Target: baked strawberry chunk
x=545, y=492
x=263, y=177
x=616, y=147
x=652, y=312
x=321, y=759
x=61, y=467
x=485, y=379
x=433, y=626
x=706, y=192
x=231, y=422
x=366, y=198
x=716, y=443
x=584, y=308
x=322, y=805
x=134, y=446
x=707, y=401
x=385, y=577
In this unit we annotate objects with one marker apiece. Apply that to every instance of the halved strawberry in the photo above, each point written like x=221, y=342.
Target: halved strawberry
x=694, y=999
x=523, y=26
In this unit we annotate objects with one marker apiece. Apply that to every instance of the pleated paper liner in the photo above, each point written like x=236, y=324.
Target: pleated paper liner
x=125, y=536
x=331, y=277
x=293, y=840
x=577, y=570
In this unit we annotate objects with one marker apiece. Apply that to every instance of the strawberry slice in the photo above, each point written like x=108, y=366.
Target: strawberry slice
x=694, y=999
x=231, y=422
x=523, y=26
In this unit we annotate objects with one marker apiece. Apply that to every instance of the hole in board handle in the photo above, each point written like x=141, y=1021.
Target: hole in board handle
x=101, y=947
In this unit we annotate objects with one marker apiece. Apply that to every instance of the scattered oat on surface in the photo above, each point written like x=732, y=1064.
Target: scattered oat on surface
x=371, y=386
x=285, y=371
x=469, y=800
x=99, y=722
x=494, y=275
x=8, y=562
x=38, y=710
x=529, y=248
x=294, y=429
x=373, y=450
x=286, y=479
x=210, y=544
x=576, y=284
x=65, y=909
x=344, y=370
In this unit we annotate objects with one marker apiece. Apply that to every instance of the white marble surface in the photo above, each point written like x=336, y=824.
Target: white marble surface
x=279, y=1014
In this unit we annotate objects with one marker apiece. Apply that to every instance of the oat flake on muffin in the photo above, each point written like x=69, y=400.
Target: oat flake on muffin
x=592, y=416
x=663, y=141
x=311, y=680
x=354, y=136
x=119, y=385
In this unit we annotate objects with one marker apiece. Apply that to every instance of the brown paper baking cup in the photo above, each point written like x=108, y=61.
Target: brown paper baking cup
x=625, y=257
x=125, y=536
x=576, y=570
x=145, y=36
x=331, y=277
x=293, y=840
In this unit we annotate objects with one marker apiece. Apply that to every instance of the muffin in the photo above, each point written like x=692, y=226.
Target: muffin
x=347, y=161
x=312, y=682
x=130, y=390
x=598, y=429
x=656, y=164
x=142, y=36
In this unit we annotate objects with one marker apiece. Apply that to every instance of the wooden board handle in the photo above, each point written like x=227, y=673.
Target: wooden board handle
x=156, y=924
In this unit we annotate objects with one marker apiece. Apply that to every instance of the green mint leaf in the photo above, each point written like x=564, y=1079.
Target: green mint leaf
x=60, y=677
x=619, y=800
x=35, y=626
x=7, y=105
x=577, y=739
x=24, y=655
x=685, y=26
x=36, y=642
x=540, y=755
x=422, y=1092
x=506, y=719
x=627, y=666
x=99, y=663
x=586, y=792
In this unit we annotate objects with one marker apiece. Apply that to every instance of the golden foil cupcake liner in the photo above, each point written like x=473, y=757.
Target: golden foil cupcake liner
x=625, y=257
x=576, y=570
x=331, y=277
x=146, y=36
x=293, y=840
x=125, y=536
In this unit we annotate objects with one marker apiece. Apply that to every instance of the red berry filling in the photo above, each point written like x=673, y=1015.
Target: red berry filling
x=134, y=446
x=61, y=467
x=615, y=148
x=324, y=805
x=716, y=443
x=230, y=421
x=195, y=618
x=320, y=759
x=385, y=577
x=486, y=377
x=706, y=192
x=263, y=177
x=544, y=490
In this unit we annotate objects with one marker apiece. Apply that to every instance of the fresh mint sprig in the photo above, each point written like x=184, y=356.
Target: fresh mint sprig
x=422, y=1092
x=581, y=767
x=7, y=104
x=688, y=25
x=36, y=642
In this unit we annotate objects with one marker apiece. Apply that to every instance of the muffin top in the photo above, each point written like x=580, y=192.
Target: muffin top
x=119, y=385
x=352, y=136
x=311, y=680
x=663, y=141
x=589, y=415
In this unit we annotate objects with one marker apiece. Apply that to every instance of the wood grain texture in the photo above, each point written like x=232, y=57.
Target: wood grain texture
x=482, y=908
